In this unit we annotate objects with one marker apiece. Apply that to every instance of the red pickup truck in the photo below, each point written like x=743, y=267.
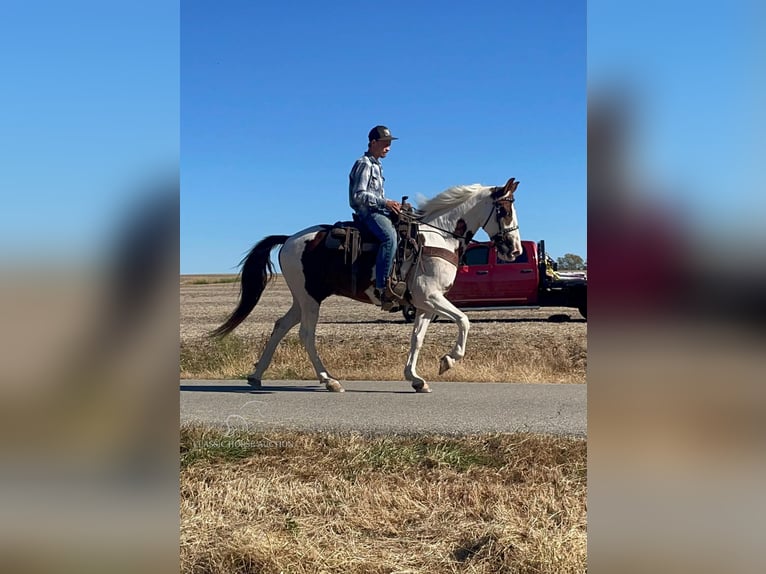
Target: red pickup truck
x=485, y=282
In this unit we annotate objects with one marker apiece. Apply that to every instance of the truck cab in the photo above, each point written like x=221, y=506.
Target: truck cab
x=485, y=280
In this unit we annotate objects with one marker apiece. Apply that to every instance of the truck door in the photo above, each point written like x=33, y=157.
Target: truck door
x=517, y=280
x=472, y=282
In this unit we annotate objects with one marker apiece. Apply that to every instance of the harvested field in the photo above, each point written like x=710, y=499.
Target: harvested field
x=358, y=341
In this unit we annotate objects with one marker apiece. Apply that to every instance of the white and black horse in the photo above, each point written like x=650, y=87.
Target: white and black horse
x=313, y=273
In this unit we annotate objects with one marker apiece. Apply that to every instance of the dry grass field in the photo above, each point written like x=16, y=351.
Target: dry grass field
x=349, y=504
x=358, y=341
x=303, y=502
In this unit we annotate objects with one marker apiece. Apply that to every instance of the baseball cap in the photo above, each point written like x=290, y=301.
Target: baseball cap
x=380, y=133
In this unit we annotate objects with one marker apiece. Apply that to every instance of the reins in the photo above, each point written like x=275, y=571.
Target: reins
x=447, y=231
x=409, y=216
x=457, y=236
x=467, y=237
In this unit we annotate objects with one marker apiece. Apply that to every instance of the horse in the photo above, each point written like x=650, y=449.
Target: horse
x=313, y=273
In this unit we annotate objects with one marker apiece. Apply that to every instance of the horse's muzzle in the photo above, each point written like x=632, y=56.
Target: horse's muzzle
x=505, y=248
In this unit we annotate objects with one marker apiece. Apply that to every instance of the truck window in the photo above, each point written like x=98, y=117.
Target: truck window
x=476, y=256
x=523, y=258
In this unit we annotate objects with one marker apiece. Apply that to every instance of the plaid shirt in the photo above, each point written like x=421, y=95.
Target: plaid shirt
x=365, y=185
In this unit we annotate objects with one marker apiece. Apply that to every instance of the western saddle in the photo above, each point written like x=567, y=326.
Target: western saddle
x=352, y=238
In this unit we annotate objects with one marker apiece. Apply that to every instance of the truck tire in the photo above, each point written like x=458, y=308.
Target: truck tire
x=580, y=297
x=408, y=311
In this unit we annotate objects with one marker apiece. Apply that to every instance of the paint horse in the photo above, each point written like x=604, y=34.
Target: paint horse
x=313, y=272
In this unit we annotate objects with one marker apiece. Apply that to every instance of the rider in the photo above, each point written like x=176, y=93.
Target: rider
x=368, y=200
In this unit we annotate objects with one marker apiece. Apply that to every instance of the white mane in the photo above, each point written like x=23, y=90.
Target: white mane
x=449, y=198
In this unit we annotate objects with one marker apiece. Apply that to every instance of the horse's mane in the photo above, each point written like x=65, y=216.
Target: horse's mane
x=449, y=198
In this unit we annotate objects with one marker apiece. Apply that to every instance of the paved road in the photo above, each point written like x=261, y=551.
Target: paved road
x=388, y=407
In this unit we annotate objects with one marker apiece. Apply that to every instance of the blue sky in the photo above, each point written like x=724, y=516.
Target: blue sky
x=89, y=113
x=693, y=73
x=271, y=104
x=277, y=99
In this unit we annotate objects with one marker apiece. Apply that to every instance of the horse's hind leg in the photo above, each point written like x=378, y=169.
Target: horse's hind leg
x=281, y=328
x=309, y=318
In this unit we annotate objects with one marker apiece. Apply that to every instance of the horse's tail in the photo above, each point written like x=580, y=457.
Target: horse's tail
x=256, y=272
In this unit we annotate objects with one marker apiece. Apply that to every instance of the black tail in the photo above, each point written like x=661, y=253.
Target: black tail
x=257, y=270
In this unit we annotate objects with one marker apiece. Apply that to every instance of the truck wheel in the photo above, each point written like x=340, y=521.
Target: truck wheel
x=583, y=310
x=409, y=313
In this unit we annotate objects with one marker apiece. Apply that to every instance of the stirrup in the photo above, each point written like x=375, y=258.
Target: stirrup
x=387, y=302
x=396, y=289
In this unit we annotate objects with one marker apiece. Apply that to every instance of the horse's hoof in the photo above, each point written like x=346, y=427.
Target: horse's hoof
x=446, y=364
x=334, y=387
x=421, y=388
x=253, y=382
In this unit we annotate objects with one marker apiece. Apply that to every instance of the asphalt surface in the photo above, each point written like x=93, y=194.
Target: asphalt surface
x=388, y=407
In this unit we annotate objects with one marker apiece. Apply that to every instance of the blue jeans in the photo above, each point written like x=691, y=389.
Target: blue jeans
x=382, y=228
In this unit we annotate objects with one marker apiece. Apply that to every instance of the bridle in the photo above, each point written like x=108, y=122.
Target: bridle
x=502, y=208
x=500, y=211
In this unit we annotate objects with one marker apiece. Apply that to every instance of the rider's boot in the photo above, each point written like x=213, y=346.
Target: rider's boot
x=392, y=297
x=388, y=301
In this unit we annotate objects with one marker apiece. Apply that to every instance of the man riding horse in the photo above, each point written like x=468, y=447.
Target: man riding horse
x=368, y=200
x=325, y=260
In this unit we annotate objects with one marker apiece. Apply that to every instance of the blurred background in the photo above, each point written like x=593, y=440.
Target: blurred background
x=89, y=286
x=676, y=398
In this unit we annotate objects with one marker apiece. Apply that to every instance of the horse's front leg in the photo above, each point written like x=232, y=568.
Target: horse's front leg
x=443, y=307
x=422, y=320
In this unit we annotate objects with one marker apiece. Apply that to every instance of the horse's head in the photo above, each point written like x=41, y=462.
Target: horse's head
x=504, y=227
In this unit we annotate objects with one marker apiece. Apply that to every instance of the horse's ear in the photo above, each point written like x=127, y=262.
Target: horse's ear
x=511, y=185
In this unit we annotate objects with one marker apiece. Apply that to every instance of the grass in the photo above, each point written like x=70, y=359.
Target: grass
x=301, y=502
x=211, y=280
x=518, y=361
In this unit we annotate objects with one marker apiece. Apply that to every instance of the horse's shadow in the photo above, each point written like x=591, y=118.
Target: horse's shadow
x=364, y=322
x=245, y=389
x=552, y=319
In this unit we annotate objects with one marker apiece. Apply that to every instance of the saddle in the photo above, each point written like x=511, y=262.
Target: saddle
x=353, y=239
